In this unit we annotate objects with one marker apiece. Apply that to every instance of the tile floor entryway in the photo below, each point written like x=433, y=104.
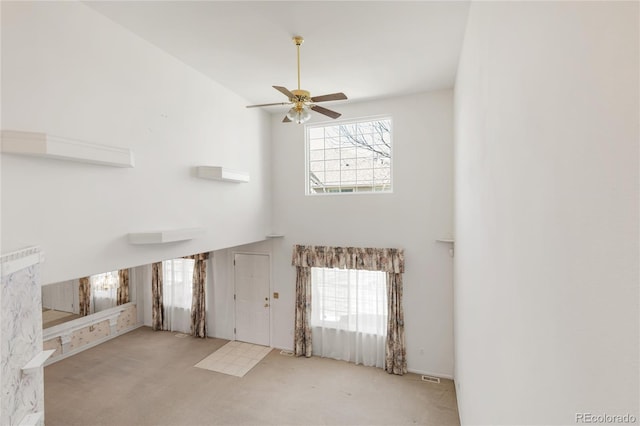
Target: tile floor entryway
x=234, y=358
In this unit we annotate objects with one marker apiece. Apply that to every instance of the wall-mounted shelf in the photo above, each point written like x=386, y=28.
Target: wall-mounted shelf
x=222, y=173
x=446, y=240
x=45, y=145
x=167, y=236
x=37, y=361
x=32, y=419
x=274, y=236
x=17, y=260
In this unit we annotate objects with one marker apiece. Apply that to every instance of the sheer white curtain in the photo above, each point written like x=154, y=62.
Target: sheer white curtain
x=349, y=315
x=177, y=284
x=104, y=289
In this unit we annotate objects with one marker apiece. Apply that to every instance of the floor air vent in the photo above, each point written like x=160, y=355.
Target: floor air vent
x=181, y=335
x=431, y=379
x=286, y=353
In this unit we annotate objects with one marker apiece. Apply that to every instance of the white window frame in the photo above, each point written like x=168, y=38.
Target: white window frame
x=307, y=179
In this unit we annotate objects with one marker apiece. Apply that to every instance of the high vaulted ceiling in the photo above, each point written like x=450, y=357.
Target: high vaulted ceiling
x=366, y=49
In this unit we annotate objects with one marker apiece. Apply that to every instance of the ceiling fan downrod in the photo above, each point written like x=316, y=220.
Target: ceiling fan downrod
x=301, y=100
x=298, y=40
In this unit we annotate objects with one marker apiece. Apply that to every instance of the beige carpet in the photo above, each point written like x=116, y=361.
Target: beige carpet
x=234, y=358
x=149, y=378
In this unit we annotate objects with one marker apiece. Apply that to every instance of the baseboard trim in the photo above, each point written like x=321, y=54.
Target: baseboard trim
x=428, y=373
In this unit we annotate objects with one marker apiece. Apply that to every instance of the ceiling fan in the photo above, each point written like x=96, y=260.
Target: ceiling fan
x=302, y=100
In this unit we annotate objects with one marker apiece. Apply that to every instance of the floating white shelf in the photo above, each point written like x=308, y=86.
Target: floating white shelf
x=446, y=240
x=32, y=419
x=222, y=173
x=45, y=145
x=37, y=361
x=17, y=260
x=168, y=236
x=274, y=236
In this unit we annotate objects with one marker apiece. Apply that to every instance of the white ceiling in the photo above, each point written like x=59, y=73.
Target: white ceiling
x=366, y=49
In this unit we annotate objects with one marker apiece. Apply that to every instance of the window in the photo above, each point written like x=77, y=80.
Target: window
x=177, y=290
x=104, y=291
x=349, y=157
x=350, y=300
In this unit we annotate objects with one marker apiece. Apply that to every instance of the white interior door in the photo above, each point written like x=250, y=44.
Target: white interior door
x=251, y=272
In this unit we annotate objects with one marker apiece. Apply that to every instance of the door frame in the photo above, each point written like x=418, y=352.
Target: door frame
x=233, y=274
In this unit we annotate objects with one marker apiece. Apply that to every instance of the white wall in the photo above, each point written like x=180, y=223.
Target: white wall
x=546, y=219
x=417, y=213
x=69, y=71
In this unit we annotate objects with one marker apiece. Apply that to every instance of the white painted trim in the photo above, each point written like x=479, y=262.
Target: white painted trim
x=91, y=345
x=20, y=259
x=44, y=145
x=37, y=361
x=274, y=236
x=167, y=236
x=222, y=173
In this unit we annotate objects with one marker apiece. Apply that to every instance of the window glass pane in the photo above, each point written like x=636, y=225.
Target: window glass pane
x=348, y=177
x=359, y=152
x=316, y=154
x=316, y=144
x=332, y=165
x=316, y=133
x=177, y=283
x=104, y=291
x=349, y=300
x=332, y=154
x=316, y=166
x=332, y=177
x=364, y=163
x=331, y=131
x=348, y=153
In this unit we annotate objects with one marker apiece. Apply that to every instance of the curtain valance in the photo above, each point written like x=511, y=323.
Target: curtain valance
x=371, y=259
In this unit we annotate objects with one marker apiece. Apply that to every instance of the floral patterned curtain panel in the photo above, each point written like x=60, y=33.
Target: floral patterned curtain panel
x=84, y=290
x=123, y=287
x=198, y=303
x=388, y=260
x=157, y=312
x=395, y=353
x=302, y=334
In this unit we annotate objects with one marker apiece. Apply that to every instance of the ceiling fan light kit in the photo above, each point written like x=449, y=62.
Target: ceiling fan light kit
x=299, y=114
x=302, y=100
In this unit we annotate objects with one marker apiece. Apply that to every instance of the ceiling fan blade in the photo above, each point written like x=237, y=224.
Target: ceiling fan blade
x=263, y=105
x=286, y=119
x=284, y=91
x=325, y=111
x=332, y=97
